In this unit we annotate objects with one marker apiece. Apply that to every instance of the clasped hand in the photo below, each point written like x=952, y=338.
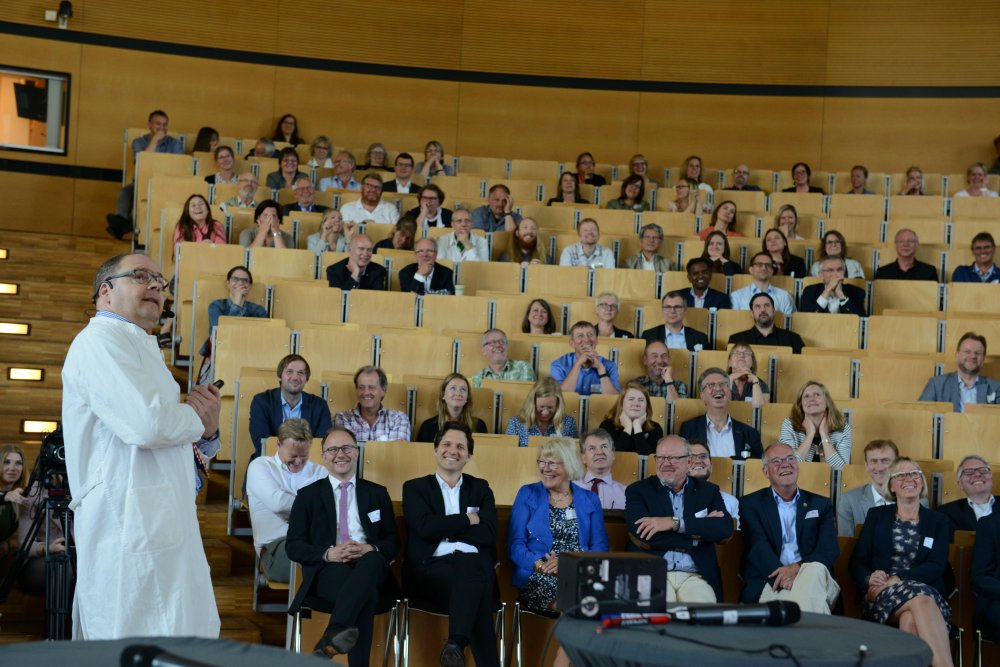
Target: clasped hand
x=347, y=552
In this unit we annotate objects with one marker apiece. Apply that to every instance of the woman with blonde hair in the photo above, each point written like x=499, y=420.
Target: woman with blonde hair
x=550, y=517
x=746, y=385
x=542, y=413
x=787, y=221
x=630, y=421
x=816, y=429
x=900, y=562
x=333, y=235
x=454, y=405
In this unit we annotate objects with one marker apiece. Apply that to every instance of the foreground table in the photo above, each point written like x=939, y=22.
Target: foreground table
x=816, y=640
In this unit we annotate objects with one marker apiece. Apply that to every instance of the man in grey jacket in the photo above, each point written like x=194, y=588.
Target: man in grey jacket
x=965, y=384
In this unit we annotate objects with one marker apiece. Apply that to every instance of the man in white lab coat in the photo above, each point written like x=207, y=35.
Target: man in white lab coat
x=129, y=459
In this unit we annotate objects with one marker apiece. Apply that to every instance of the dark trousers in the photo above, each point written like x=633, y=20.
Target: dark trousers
x=463, y=584
x=353, y=589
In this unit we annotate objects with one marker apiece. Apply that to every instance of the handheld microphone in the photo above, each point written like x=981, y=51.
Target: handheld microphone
x=168, y=313
x=148, y=655
x=775, y=612
x=219, y=384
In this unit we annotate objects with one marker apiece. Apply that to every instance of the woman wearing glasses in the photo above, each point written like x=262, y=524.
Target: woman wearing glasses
x=901, y=562
x=543, y=413
x=816, y=429
x=743, y=376
x=238, y=281
x=835, y=245
x=607, y=308
x=550, y=517
x=319, y=152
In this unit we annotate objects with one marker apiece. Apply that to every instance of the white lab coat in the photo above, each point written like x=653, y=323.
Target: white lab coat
x=141, y=566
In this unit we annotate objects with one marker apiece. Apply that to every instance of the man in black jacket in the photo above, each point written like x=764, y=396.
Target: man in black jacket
x=832, y=295
x=673, y=333
x=342, y=531
x=357, y=271
x=426, y=276
x=451, y=548
x=975, y=478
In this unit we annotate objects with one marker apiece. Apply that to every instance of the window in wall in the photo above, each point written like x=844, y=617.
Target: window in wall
x=34, y=106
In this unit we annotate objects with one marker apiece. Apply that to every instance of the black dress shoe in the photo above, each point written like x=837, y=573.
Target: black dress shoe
x=118, y=226
x=452, y=655
x=336, y=641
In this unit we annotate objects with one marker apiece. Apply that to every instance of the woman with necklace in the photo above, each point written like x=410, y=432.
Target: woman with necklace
x=550, y=517
x=901, y=562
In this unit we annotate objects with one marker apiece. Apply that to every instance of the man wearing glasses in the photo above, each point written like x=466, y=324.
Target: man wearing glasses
x=725, y=436
x=343, y=173
x=431, y=211
x=906, y=266
x=498, y=366
x=832, y=295
x=649, y=257
x=761, y=270
x=741, y=178
x=964, y=385
x=305, y=195
x=272, y=484
x=791, y=544
x=130, y=464
x=975, y=478
x=680, y=519
x=343, y=533
x=404, y=170
x=370, y=206
x=426, y=276
x=982, y=270
x=673, y=333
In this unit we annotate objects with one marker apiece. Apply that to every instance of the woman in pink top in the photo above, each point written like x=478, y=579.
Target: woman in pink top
x=196, y=224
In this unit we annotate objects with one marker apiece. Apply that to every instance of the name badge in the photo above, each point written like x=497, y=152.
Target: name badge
x=929, y=542
x=570, y=513
x=812, y=514
x=472, y=510
x=702, y=514
x=375, y=516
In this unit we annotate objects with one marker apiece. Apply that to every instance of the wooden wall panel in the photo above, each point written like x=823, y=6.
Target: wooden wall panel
x=37, y=203
x=733, y=41
x=355, y=110
x=546, y=124
x=724, y=130
x=92, y=200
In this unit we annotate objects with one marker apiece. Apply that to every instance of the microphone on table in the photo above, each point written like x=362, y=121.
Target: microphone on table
x=775, y=612
x=148, y=655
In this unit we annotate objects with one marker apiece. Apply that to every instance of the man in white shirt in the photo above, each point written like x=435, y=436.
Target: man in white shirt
x=451, y=548
x=853, y=505
x=588, y=252
x=370, y=206
x=724, y=435
x=130, y=463
x=272, y=484
x=762, y=269
x=597, y=450
x=404, y=170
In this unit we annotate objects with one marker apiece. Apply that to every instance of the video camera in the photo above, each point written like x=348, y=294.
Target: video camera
x=50, y=467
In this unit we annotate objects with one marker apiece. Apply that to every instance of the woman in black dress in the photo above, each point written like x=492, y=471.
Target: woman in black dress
x=630, y=421
x=454, y=405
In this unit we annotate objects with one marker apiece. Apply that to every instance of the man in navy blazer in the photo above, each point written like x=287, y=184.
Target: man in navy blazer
x=699, y=274
x=969, y=358
x=975, y=478
x=727, y=436
x=426, y=276
x=791, y=542
x=680, y=519
x=832, y=295
x=269, y=409
x=986, y=574
x=345, y=565
x=451, y=519
x=672, y=332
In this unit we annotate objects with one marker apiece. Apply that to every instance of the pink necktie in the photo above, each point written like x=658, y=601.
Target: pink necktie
x=343, y=520
x=594, y=483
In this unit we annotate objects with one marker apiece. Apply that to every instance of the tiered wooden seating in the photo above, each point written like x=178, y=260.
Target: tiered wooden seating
x=909, y=295
x=208, y=288
x=813, y=476
x=149, y=165
x=841, y=332
x=972, y=298
x=882, y=379
x=341, y=348
x=388, y=309
x=805, y=203
x=857, y=230
x=252, y=342
x=916, y=208
x=491, y=167
x=771, y=416
x=902, y=333
x=913, y=432
x=558, y=281
x=478, y=277
x=673, y=224
x=401, y=353
x=193, y=258
x=871, y=207
x=629, y=353
x=312, y=302
x=271, y=265
x=795, y=370
x=626, y=283
x=467, y=313
x=956, y=325
x=965, y=433
x=962, y=233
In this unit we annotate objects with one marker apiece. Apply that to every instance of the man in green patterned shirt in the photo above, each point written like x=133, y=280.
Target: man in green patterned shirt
x=499, y=367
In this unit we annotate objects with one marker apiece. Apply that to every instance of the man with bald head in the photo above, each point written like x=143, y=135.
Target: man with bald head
x=906, y=266
x=426, y=276
x=130, y=463
x=357, y=271
x=741, y=176
x=680, y=519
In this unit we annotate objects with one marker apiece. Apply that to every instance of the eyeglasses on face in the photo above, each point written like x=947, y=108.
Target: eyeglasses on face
x=674, y=460
x=554, y=465
x=784, y=460
x=907, y=474
x=345, y=449
x=969, y=473
x=142, y=277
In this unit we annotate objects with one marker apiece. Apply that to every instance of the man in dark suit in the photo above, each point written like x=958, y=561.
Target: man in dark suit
x=431, y=211
x=724, y=435
x=357, y=271
x=426, y=276
x=791, y=543
x=699, y=274
x=986, y=574
x=832, y=295
x=964, y=384
x=269, y=409
x=404, y=170
x=673, y=333
x=680, y=519
x=741, y=178
x=451, y=548
x=975, y=478
x=304, y=195
x=342, y=531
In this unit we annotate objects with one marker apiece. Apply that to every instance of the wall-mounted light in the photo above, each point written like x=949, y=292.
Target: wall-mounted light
x=3, y=253
x=26, y=374
x=15, y=328
x=11, y=289
x=38, y=426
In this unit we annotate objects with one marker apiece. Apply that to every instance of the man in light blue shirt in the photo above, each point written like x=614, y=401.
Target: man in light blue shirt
x=762, y=269
x=583, y=370
x=343, y=173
